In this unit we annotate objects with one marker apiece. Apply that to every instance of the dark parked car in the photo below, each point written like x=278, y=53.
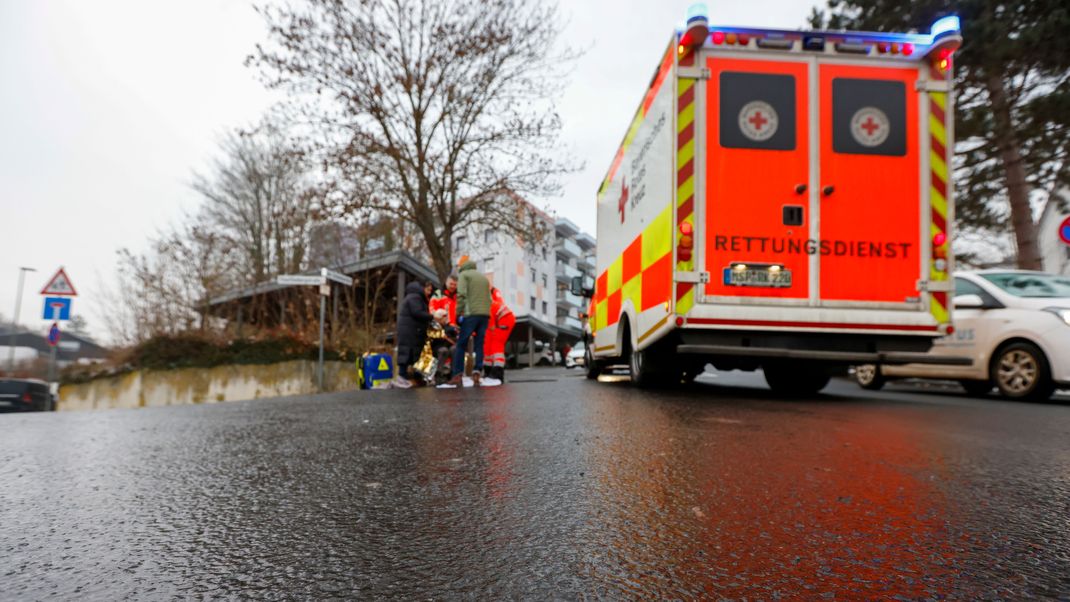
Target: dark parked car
x=25, y=395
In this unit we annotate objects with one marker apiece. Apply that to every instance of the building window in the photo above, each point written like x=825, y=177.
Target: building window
x=533, y=304
x=545, y=308
x=533, y=278
x=545, y=282
x=458, y=243
x=490, y=235
x=544, y=252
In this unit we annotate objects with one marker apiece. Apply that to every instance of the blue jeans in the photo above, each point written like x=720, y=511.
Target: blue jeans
x=476, y=325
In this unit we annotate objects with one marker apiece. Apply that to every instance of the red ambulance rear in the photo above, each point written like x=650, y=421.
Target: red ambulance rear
x=781, y=200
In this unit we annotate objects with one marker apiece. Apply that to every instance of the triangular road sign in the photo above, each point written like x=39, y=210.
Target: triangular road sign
x=60, y=285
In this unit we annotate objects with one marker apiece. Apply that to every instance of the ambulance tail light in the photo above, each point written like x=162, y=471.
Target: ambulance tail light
x=686, y=243
x=718, y=37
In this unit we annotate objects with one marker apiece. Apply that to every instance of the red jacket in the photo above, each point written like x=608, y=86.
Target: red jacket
x=446, y=300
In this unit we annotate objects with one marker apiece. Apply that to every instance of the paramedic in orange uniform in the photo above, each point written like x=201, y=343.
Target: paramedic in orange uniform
x=502, y=321
x=447, y=299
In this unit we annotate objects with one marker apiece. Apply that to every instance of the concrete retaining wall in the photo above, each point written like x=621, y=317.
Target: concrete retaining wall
x=149, y=388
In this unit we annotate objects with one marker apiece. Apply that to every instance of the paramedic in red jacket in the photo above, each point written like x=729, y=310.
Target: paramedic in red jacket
x=447, y=299
x=502, y=321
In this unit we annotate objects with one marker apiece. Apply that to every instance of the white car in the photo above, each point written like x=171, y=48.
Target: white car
x=1015, y=325
x=576, y=356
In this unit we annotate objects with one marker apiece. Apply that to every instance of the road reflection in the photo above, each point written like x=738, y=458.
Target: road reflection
x=694, y=500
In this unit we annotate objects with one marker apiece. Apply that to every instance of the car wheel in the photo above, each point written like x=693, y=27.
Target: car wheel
x=976, y=388
x=795, y=379
x=1021, y=371
x=868, y=376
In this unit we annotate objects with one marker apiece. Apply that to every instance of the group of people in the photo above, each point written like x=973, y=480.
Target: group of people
x=435, y=328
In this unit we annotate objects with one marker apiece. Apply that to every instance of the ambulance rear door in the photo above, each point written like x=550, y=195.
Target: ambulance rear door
x=811, y=182
x=870, y=198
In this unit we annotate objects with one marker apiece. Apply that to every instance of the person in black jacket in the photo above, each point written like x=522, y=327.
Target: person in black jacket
x=413, y=319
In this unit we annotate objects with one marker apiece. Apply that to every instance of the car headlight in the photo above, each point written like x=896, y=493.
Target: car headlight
x=1063, y=313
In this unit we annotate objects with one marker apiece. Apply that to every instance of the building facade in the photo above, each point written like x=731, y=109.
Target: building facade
x=534, y=276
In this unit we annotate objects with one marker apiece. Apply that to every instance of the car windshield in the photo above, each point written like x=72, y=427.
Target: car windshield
x=1031, y=285
x=578, y=347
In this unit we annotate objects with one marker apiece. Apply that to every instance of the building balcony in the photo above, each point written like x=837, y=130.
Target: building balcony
x=566, y=247
x=566, y=299
x=565, y=273
x=569, y=322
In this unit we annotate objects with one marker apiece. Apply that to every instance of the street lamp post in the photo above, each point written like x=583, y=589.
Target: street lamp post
x=15, y=321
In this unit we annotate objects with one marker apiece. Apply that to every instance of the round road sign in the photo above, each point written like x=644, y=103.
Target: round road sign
x=870, y=126
x=1064, y=230
x=758, y=120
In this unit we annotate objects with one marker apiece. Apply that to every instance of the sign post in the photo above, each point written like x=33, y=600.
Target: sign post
x=321, y=280
x=58, y=295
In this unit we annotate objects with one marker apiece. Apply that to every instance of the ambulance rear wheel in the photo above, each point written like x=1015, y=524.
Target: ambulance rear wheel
x=795, y=379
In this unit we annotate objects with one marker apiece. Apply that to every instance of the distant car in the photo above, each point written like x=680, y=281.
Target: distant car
x=25, y=395
x=1014, y=324
x=544, y=356
x=576, y=356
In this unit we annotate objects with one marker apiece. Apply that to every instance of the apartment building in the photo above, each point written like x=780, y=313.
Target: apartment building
x=534, y=276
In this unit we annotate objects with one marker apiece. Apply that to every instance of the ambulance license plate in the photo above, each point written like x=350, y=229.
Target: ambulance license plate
x=757, y=277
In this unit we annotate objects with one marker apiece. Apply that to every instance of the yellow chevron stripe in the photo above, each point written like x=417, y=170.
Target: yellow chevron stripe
x=940, y=99
x=685, y=190
x=685, y=118
x=685, y=84
x=938, y=311
x=936, y=162
x=937, y=130
x=934, y=229
x=938, y=201
x=685, y=154
x=685, y=303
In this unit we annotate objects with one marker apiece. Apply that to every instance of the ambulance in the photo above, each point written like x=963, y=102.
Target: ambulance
x=781, y=200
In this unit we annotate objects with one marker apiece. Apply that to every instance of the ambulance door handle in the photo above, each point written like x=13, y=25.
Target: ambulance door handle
x=800, y=188
x=828, y=190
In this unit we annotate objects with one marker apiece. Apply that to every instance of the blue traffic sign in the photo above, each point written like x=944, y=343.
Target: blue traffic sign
x=57, y=308
x=53, y=334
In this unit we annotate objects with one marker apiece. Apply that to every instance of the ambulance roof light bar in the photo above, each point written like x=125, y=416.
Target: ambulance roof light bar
x=942, y=33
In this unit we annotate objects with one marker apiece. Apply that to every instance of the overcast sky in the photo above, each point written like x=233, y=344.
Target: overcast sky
x=107, y=106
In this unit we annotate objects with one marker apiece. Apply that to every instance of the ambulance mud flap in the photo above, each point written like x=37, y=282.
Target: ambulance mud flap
x=848, y=357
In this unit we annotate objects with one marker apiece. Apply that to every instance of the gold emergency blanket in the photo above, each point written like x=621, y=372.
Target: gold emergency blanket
x=427, y=365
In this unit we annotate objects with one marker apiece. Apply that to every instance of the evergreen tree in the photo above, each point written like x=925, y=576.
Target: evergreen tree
x=1012, y=112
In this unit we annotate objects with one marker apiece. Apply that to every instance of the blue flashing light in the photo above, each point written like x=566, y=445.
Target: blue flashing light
x=945, y=25
x=697, y=11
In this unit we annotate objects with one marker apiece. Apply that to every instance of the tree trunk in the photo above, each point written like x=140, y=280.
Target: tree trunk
x=1025, y=230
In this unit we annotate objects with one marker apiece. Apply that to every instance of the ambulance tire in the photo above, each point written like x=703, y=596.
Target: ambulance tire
x=795, y=379
x=642, y=366
x=592, y=366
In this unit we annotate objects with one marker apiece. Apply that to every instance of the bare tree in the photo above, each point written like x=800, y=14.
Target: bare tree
x=436, y=111
x=257, y=196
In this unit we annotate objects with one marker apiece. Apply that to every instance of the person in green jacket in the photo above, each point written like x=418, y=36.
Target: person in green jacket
x=473, y=315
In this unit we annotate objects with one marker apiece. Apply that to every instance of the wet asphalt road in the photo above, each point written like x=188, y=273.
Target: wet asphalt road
x=551, y=488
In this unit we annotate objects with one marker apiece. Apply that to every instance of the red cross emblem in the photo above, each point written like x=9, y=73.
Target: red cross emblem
x=870, y=126
x=758, y=120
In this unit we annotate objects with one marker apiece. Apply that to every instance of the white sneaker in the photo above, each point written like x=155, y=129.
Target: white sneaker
x=402, y=383
x=489, y=382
